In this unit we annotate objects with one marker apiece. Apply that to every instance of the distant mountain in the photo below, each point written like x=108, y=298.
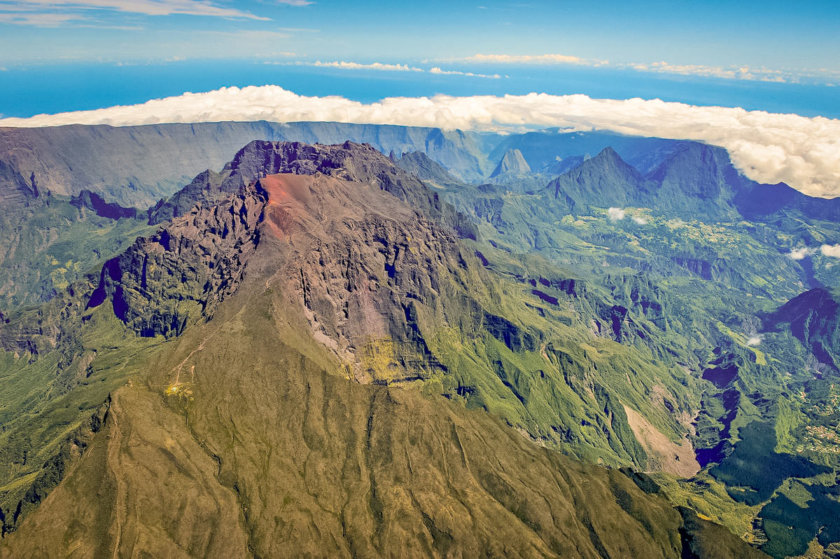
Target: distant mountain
x=697, y=179
x=137, y=165
x=512, y=163
x=814, y=319
x=423, y=167
x=604, y=181
x=544, y=148
x=693, y=180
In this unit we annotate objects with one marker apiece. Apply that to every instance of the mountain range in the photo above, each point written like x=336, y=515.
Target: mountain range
x=323, y=349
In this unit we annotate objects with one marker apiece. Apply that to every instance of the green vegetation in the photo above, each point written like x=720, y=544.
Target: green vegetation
x=49, y=244
x=408, y=388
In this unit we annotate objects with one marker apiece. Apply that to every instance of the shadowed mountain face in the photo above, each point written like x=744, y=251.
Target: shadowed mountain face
x=605, y=180
x=297, y=407
x=424, y=168
x=814, y=319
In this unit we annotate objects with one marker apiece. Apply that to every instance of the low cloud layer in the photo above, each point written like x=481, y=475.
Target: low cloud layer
x=531, y=59
x=832, y=251
x=803, y=152
x=436, y=70
x=615, y=214
x=344, y=65
x=801, y=253
x=741, y=72
x=387, y=67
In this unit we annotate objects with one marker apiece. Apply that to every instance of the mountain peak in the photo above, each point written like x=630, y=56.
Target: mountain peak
x=606, y=178
x=698, y=177
x=512, y=163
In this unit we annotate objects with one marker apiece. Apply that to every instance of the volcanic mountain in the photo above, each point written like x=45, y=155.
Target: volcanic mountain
x=275, y=372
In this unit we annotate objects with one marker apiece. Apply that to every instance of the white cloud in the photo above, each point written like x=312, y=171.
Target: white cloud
x=529, y=59
x=37, y=19
x=615, y=214
x=741, y=72
x=754, y=341
x=830, y=250
x=767, y=147
x=731, y=73
x=639, y=220
x=349, y=65
x=53, y=12
x=345, y=65
x=436, y=70
x=801, y=253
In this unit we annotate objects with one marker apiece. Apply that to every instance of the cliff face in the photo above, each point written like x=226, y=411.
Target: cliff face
x=138, y=165
x=15, y=190
x=184, y=270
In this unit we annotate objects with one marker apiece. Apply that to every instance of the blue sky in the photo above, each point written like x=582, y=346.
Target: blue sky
x=799, y=39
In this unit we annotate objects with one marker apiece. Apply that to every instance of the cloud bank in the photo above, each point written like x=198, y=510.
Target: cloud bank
x=767, y=147
x=345, y=65
x=741, y=72
x=832, y=251
x=531, y=59
x=386, y=67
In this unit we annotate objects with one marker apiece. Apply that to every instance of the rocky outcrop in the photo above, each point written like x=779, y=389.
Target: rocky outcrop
x=375, y=279
x=352, y=162
x=164, y=282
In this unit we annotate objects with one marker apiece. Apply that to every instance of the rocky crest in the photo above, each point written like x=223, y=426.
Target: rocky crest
x=352, y=162
x=183, y=271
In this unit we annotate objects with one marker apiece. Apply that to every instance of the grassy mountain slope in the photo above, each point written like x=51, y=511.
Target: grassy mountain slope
x=51, y=242
x=719, y=279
